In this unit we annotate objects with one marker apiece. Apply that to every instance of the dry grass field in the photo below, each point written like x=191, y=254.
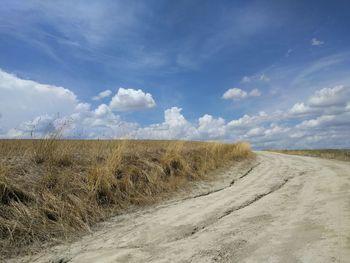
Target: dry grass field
x=53, y=189
x=337, y=154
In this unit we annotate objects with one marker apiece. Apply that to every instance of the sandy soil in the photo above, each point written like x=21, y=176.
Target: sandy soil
x=285, y=209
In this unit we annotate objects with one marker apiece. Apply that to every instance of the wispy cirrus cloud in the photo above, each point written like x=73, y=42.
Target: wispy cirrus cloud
x=255, y=78
x=78, y=23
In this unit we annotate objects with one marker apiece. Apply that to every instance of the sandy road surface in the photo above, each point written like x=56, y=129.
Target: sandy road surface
x=286, y=209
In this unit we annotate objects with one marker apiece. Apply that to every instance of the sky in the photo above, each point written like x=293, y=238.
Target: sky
x=274, y=73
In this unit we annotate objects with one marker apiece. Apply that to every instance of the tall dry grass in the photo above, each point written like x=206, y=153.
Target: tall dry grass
x=52, y=189
x=337, y=154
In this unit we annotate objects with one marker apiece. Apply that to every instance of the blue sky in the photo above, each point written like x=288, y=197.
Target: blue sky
x=248, y=65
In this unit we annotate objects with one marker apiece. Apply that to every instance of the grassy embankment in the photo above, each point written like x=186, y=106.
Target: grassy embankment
x=54, y=189
x=338, y=154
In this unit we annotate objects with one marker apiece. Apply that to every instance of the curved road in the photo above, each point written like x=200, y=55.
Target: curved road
x=285, y=209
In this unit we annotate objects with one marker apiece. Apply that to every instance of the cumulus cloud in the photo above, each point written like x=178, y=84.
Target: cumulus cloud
x=210, y=127
x=235, y=94
x=247, y=122
x=328, y=97
x=300, y=109
x=102, y=94
x=238, y=94
x=173, y=117
x=131, y=100
x=327, y=121
x=23, y=100
x=325, y=101
x=316, y=42
x=175, y=126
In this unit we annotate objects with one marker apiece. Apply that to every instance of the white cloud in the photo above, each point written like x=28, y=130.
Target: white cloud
x=255, y=132
x=300, y=109
x=238, y=94
x=326, y=101
x=323, y=120
x=131, y=100
x=98, y=123
x=235, y=94
x=327, y=97
x=173, y=117
x=211, y=128
x=327, y=121
x=102, y=94
x=39, y=126
x=315, y=122
x=84, y=122
x=347, y=107
x=22, y=100
x=247, y=122
x=276, y=129
x=243, y=122
x=175, y=126
x=316, y=42
x=255, y=93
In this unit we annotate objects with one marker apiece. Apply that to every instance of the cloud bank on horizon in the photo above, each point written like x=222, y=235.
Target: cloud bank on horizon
x=228, y=71
x=322, y=119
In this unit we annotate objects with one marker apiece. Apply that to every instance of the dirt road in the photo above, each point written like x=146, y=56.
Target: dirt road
x=285, y=209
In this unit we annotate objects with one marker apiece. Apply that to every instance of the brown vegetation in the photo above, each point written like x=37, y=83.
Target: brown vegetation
x=52, y=189
x=338, y=154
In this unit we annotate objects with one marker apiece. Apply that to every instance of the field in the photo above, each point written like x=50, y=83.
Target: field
x=54, y=189
x=337, y=154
